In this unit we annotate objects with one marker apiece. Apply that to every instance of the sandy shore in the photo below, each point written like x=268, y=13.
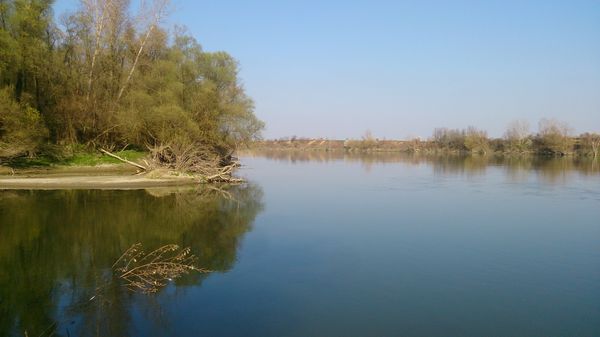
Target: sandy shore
x=92, y=181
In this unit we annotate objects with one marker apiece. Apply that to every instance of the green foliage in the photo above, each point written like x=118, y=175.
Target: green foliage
x=188, y=97
x=109, y=80
x=50, y=157
x=92, y=159
x=22, y=129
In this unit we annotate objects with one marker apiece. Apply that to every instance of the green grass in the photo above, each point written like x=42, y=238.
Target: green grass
x=81, y=158
x=93, y=159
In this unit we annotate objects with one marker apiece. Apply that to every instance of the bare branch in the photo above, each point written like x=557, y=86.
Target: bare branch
x=148, y=273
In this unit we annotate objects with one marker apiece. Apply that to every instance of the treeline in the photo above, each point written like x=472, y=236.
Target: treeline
x=553, y=138
x=103, y=77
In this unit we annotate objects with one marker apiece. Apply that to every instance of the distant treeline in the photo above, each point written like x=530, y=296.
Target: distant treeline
x=553, y=138
x=106, y=77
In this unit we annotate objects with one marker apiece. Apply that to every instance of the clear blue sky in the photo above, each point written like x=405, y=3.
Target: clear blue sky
x=401, y=68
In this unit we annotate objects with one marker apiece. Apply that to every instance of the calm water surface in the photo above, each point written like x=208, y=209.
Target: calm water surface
x=320, y=244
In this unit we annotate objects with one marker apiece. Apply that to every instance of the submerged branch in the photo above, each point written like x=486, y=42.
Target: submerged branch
x=148, y=273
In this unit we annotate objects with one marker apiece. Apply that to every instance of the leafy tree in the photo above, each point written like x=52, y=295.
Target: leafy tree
x=110, y=78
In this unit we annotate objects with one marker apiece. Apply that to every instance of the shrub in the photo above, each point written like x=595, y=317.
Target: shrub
x=554, y=137
x=22, y=130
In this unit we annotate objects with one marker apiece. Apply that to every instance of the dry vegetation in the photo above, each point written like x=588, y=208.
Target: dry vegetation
x=149, y=272
x=554, y=138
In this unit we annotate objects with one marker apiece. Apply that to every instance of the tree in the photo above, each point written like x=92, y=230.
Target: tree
x=188, y=97
x=111, y=79
x=368, y=141
x=22, y=130
x=554, y=137
x=25, y=43
x=153, y=16
x=449, y=139
x=590, y=143
x=517, y=137
x=476, y=140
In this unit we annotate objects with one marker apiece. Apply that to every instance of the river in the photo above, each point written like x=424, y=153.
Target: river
x=319, y=244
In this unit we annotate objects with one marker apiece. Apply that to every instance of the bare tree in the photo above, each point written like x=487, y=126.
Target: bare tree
x=590, y=143
x=97, y=11
x=368, y=141
x=449, y=139
x=517, y=136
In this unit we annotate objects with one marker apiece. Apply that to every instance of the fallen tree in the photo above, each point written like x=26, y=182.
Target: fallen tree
x=207, y=167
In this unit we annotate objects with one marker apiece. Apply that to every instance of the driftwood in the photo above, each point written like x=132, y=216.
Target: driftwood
x=124, y=160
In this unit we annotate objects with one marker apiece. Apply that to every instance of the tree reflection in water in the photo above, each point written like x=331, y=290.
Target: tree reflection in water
x=549, y=169
x=57, y=249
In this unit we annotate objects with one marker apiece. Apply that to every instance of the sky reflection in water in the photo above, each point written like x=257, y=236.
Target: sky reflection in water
x=321, y=244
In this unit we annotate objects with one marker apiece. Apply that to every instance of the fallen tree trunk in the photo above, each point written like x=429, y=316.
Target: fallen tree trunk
x=124, y=160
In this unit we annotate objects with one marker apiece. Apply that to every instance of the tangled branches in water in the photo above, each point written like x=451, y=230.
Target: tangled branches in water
x=149, y=272
x=197, y=159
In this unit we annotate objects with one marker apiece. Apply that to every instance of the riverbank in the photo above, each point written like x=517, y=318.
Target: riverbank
x=94, y=178
x=583, y=146
x=93, y=171
x=88, y=171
